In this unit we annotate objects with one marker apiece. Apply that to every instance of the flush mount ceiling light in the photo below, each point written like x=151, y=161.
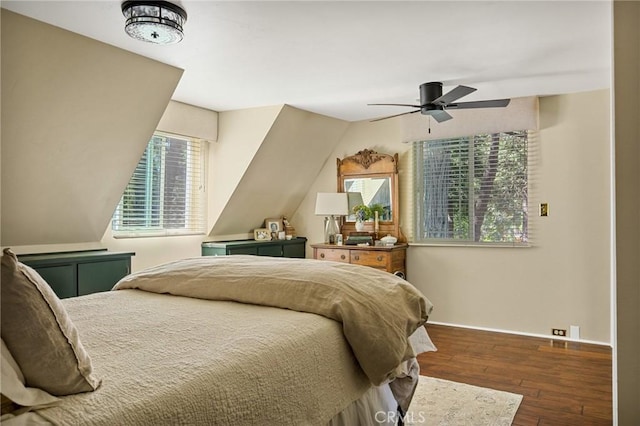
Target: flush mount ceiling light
x=157, y=22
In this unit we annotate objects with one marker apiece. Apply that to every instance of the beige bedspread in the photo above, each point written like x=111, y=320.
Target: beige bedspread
x=378, y=311
x=168, y=360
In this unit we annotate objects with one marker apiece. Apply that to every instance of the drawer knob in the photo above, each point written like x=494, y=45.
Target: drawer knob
x=321, y=255
x=342, y=256
x=357, y=257
x=380, y=258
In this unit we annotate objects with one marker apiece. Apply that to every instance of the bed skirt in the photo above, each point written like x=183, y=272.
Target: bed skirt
x=376, y=407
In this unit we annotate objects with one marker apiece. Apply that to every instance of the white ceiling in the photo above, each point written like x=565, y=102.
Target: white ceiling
x=334, y=57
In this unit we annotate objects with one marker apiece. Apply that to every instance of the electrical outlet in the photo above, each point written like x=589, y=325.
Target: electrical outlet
x=560, y=332
x=544, y=209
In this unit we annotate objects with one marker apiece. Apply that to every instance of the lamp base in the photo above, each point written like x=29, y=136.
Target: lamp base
x=331, y=228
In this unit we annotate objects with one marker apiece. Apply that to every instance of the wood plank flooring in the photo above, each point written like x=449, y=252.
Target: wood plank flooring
x=563, y=383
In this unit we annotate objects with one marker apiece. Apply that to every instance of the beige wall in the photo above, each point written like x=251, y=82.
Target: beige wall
x=63, y=177
x=188, y=120
x=627, y=174
x=563, y=279
x=154, y=251
x=240, y=136
x=72, y=132
x=518, y=115
x=278, y=170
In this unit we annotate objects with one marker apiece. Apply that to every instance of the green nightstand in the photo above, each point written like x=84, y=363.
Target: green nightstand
x=275, y=248
x=78, y=273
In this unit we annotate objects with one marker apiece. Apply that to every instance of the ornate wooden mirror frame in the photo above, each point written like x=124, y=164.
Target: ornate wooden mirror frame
x=370, y=164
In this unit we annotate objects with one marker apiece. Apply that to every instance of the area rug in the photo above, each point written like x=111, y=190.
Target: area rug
x=441, y=402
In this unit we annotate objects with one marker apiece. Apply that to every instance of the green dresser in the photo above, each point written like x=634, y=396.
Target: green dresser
x=275, y=248
x=78, y=273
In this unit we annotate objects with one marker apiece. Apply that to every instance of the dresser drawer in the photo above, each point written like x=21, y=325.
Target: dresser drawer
x=389, y=259
x=376, y=259
x=335, y=255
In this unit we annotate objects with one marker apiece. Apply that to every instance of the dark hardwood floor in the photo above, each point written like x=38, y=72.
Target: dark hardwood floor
x=563, y=383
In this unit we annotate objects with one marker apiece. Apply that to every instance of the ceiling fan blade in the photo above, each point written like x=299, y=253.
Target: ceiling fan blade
x=440, y=115
x=396, y=115
x=453, y=94
x=495, y=103
x=405, y=105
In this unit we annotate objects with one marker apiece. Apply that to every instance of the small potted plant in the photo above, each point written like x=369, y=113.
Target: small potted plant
x=362, y=213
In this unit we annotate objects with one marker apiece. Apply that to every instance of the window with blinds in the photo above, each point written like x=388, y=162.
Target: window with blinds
x=472, y=190
x=166, y=194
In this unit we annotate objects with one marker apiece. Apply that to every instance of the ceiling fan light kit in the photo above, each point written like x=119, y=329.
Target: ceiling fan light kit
x=158, y=22
x=435, y=104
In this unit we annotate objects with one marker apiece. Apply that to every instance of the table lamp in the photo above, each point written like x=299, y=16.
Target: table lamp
x=331, y=205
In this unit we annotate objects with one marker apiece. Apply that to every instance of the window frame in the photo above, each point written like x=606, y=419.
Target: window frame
x=195, y=214
x=418, y=208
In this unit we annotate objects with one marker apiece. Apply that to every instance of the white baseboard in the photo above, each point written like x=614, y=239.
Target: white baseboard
x=520, y=333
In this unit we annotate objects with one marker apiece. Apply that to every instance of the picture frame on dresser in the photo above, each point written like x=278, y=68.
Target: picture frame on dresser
x=262, y=234
x=274, y=225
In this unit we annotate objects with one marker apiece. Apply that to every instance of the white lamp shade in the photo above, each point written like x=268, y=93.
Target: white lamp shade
x=332, y=204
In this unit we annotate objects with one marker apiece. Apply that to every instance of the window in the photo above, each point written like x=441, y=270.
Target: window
x=472, y=189
x=165, y=195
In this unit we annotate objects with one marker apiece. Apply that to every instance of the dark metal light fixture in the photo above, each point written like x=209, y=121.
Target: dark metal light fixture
x=157, y=22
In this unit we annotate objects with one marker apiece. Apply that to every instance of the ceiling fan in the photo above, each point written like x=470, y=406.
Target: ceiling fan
x=435, y=104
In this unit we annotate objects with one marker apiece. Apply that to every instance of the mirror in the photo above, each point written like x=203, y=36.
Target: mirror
x=371, y=179
x=370, y=191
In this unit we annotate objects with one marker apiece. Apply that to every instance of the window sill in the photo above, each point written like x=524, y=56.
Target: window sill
x=154, y=234
x=467, y=244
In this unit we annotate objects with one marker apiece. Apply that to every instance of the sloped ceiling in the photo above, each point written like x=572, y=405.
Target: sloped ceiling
x=282, y=165
x=76, y=117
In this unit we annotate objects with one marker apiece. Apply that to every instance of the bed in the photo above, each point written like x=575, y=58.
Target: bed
x=244, y=340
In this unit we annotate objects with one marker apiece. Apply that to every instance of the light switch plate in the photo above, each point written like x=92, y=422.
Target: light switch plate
x=544, y=209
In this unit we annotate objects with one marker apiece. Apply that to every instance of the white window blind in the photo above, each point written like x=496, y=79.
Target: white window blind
x=166, y=194
x=472, y=190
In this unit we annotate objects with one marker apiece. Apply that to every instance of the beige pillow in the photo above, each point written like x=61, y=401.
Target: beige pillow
x=12, y=385
x=39, y=333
